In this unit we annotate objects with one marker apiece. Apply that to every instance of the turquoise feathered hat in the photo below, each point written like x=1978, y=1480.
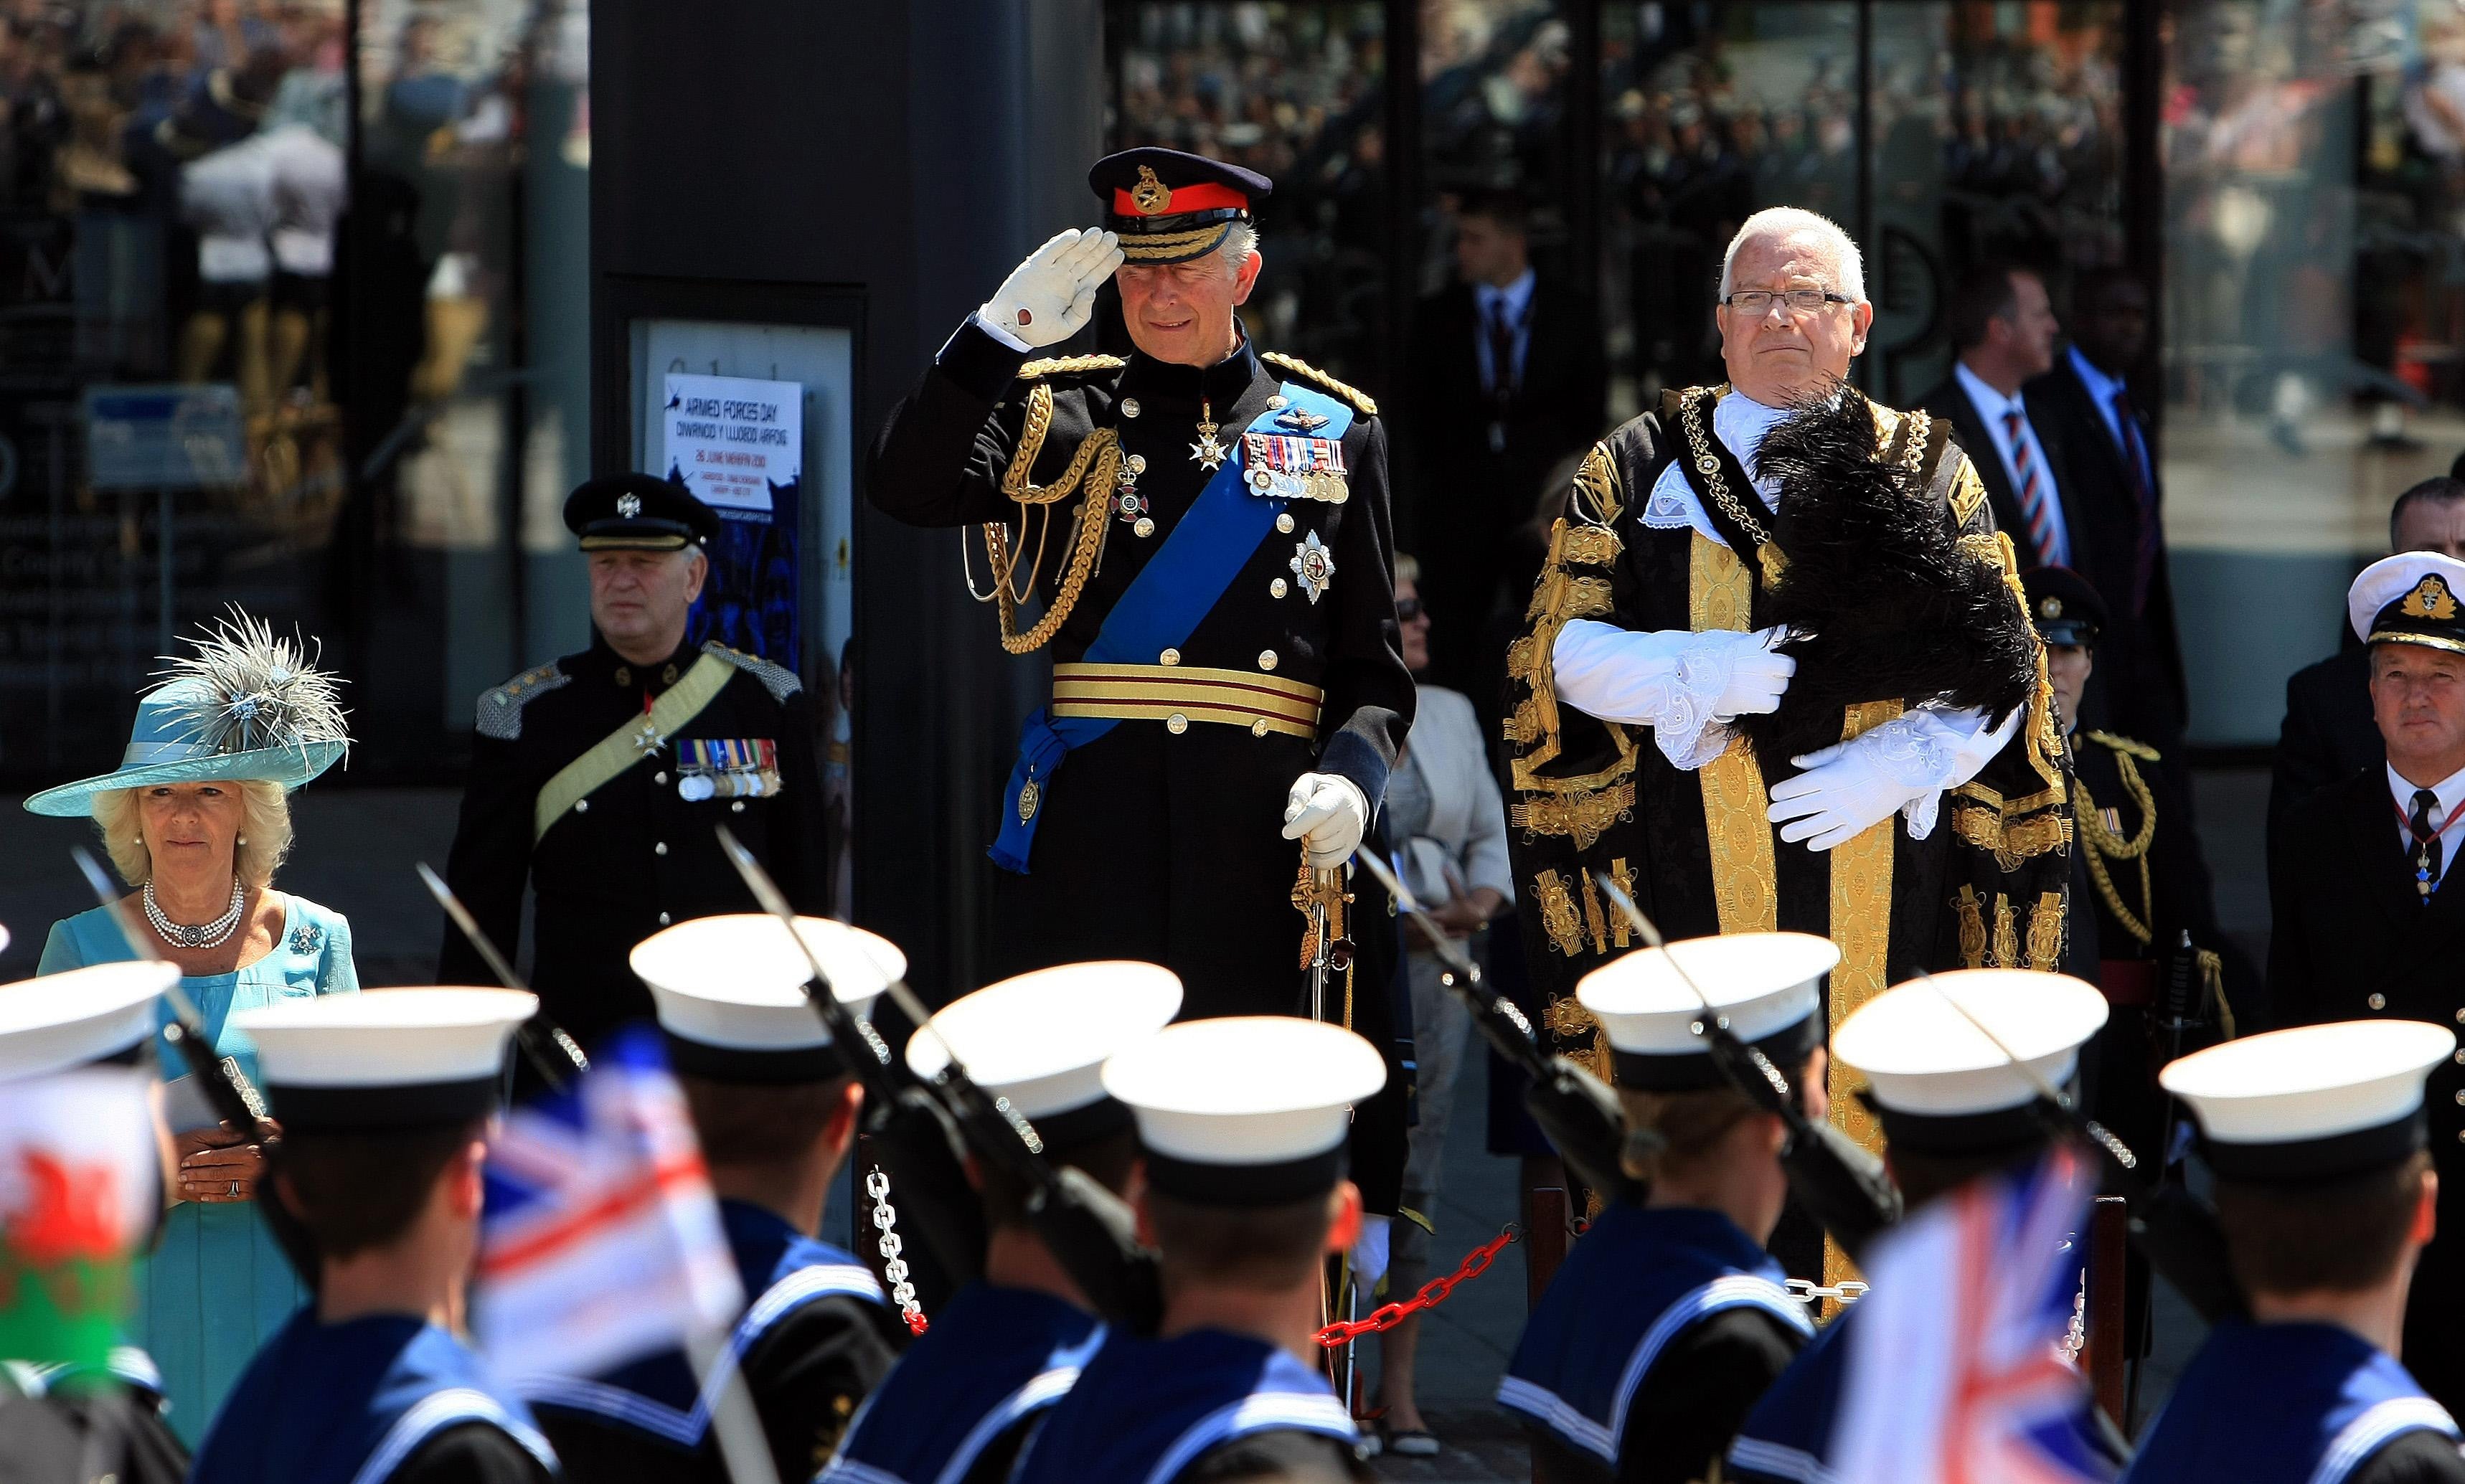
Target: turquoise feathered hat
x=246, y=706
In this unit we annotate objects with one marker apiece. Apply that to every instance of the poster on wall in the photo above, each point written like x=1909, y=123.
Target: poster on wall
x=739, y=444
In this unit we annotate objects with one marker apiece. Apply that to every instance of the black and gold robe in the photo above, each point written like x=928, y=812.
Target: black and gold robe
x=1987, y=885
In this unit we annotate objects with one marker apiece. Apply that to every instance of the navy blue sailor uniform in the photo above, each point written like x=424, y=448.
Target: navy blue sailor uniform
x=386, y=1399
x=817, y=1337
x=960, y=1403
x=1203, y=1407
x=1659, y=1331
x=2297, y=1403
x=1263, y=647
x=711, y=736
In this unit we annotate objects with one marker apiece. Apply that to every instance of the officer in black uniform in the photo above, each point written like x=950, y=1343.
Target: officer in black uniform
x=2141, y=880
x=597, y=777
x=1218, y=698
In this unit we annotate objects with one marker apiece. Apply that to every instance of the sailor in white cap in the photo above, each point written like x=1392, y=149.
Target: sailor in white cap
x=2365, y=925
x=54, y=1422
x=385, y=1100
x=1954, y=1109
x=1005, y=1349
x=1669, y=1318
x=1243, y=1125
x=774, y=1102
x=2326, y=1195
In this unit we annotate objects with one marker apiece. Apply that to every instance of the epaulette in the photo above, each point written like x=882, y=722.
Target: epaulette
x=1064, y=365
x=500, y=710
x=2138, y=749
x=779, y=680
x=1367, y=404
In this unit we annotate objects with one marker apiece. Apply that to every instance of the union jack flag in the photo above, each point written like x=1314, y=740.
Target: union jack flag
x=600, y=1242
x=1957, y=1373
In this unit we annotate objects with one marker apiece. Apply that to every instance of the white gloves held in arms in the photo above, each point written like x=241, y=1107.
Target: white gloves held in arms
x=1050, y=298
x=1852, y=784
x=1328, y=813
x=1758, y=676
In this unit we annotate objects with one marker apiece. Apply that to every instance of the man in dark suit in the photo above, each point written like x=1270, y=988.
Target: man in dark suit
x=2328, y=734
x=2365, y=926
x=1509, y=379
x=2004, y=328
x=2101, y=443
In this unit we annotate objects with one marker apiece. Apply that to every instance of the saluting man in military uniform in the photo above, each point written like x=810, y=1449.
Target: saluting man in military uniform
x=1207, y=526
x=597, y=777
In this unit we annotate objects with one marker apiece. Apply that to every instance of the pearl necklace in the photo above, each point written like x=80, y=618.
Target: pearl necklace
x=205, y=935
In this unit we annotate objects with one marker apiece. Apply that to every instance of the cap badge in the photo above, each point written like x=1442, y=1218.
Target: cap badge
x=628, y=506
x=2050, y=607
x=1150, y=195
x=2431, y=599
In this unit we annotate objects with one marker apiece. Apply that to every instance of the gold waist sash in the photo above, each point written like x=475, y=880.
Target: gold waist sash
x=1178, y=694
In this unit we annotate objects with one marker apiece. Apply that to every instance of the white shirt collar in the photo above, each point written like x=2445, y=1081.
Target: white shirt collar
x=1516, y=294
x=2450, y=789
x=1991, y=404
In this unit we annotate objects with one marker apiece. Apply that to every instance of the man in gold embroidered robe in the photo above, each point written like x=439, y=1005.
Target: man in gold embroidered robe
x=1798, y=691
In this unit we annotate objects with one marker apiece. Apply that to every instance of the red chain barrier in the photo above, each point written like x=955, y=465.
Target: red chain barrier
x=1433, y=1293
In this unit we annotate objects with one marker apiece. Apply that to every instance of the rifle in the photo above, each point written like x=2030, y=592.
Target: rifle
x=552, y=1054
x=1840, y=1185
x=1575, y=1109
x=1089, y=1229
x=2176, y=1230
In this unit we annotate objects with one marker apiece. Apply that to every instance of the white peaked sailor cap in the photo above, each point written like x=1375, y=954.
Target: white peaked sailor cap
x=1766, y=985
x=1041, y=1041
x=1252, y=1110
x=2314, y=1102
x=385, y=1059
x=2413, y=597
x=730, y=993
x=1940, y=1085
x=104, y=1012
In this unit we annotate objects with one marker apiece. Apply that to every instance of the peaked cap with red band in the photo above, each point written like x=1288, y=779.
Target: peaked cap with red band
x=1168, y=207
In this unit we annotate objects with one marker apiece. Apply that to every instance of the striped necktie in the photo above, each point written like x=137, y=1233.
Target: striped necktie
x=2037, y=504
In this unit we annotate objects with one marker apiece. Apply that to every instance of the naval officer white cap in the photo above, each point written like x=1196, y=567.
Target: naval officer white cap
x=1939, y=1084
x=1252, y=1110
x=1765, y=985
x=730, y=993
x=103, y=1012
x=1041, y=1040
x=385, y=1059
x=2315, y=1102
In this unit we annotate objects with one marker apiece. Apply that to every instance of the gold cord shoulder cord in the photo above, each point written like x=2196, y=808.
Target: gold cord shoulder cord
x=2104, y=843
x=1097, y=465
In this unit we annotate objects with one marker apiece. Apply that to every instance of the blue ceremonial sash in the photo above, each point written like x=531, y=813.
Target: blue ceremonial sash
x=1163, y=604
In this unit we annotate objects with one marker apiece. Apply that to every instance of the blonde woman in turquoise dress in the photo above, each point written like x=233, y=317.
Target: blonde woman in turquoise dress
x=196, y=819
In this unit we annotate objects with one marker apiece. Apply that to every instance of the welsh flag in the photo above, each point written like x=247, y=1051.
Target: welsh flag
x=79, y=1187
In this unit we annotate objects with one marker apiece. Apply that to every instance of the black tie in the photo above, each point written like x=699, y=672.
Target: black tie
x=2426, y=847
x=1502, y=351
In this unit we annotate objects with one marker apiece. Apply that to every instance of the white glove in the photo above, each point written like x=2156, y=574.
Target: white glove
x=1757, y=675
x=1849, y=786
x=1050, y=298
x=1369, y=1254
x=1326, y=812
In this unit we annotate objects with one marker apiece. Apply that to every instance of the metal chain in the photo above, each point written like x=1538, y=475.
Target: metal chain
x=1807, y=1291
x=885, y=1218
x=1433, y=1293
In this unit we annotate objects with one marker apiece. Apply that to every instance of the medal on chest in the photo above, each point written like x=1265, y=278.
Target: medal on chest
x=1209, y=451
x=1289, y=466
x=1314, y=564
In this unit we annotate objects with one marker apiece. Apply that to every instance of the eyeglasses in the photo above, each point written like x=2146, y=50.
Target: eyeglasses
x=1407, y=610
x=1756, y=302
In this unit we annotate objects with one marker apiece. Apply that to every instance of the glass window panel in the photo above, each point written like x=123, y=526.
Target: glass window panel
x=1710, y=113
x=1493, y=116
x=1294, y=92
x=1997, y=134
x=2311, y=320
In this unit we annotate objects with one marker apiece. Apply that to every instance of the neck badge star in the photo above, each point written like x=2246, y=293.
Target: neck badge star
x=1207, y=451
